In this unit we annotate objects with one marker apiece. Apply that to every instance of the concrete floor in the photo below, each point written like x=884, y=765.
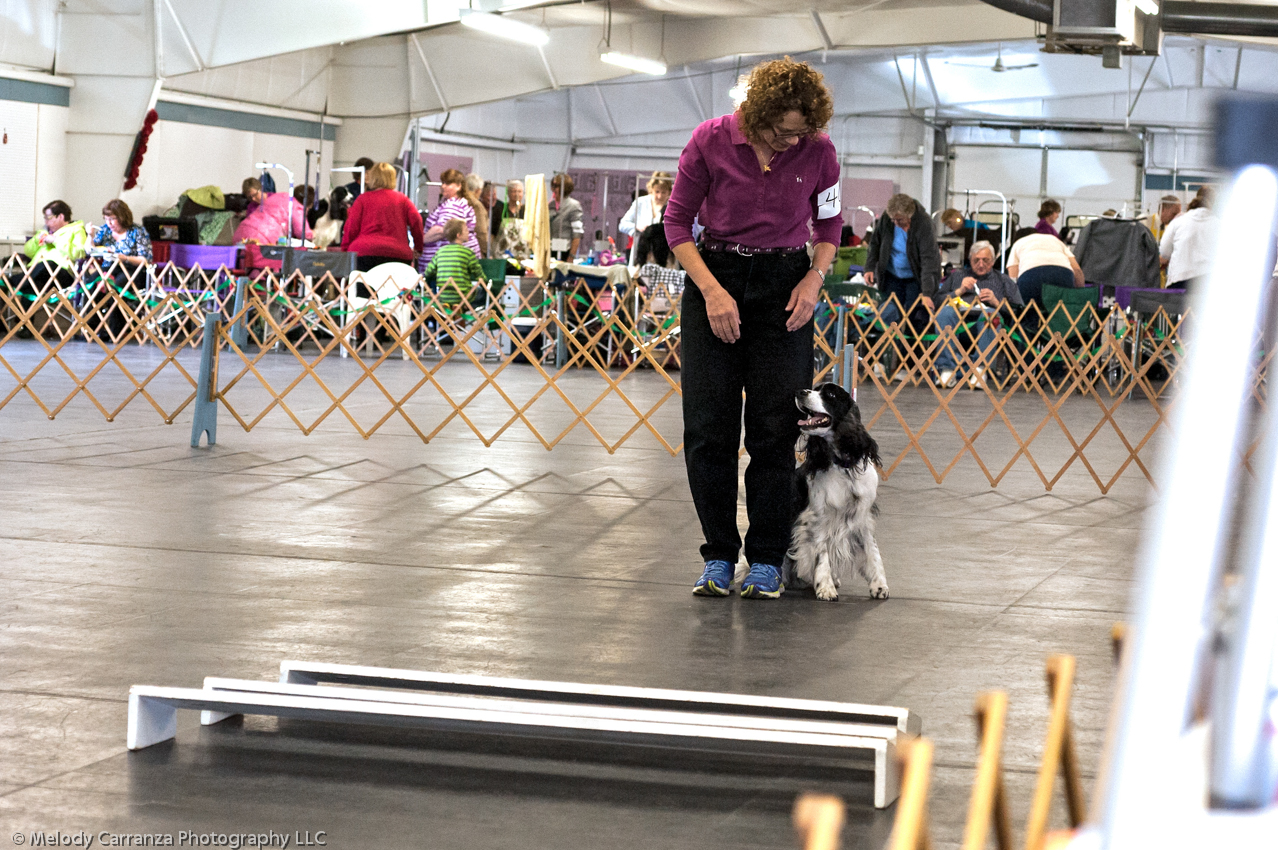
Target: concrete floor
x=130, y=558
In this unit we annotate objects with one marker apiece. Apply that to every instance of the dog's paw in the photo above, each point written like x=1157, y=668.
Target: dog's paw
x=827, y=592
x=878, y=591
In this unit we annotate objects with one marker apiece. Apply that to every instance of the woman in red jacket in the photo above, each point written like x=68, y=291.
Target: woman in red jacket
x=380, y=221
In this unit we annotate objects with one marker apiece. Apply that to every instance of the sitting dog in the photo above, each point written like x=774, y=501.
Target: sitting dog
x=326, y=229
x=837, y=484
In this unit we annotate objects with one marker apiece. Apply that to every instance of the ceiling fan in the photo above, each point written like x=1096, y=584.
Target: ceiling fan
x=998, y=67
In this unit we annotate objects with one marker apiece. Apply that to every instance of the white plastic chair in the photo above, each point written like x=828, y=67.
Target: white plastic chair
x=385, y=282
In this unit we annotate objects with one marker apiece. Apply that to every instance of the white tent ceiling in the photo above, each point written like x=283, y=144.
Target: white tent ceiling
x=893, y=65
x=404, y=57
x=401, y=58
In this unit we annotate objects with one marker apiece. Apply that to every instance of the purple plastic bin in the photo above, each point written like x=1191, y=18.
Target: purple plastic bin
x=207, y=257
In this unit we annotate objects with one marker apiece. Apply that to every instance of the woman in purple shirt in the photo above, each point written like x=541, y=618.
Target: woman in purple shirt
x=765, y=182
x=1048, y=212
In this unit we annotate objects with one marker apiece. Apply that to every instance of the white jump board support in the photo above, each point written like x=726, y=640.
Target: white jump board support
x=153, y=719
x=303, y=673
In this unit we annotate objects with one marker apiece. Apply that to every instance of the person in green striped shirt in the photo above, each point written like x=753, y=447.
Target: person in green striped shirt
x=453, y=270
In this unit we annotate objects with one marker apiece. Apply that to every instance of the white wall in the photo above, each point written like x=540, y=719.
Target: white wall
x=1085, y=182
x=17, y=167
x=51, y=160
x=184, y=156
x=31, y=164
x=380, y=139
x=105, y=115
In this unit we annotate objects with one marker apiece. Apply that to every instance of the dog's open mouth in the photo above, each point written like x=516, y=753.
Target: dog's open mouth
x=817, y=420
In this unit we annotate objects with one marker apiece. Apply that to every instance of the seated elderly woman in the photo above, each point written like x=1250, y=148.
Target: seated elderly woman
x=976, y=291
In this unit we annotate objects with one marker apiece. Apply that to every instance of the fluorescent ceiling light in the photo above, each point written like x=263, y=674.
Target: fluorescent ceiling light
x=504, y=27
x=1149, y=7
x=634, y=63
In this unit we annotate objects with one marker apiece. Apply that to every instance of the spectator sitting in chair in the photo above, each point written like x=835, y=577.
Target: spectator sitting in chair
x=125, y=242
x=122, y=249
x=51, y=253
x=54, y=250
x=984, y=290
x=454, y=268
x=251, y=188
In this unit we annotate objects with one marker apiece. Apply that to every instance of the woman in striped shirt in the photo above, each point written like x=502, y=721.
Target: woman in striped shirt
x=455, y=204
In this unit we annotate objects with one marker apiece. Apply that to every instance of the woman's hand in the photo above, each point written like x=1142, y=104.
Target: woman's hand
x=803, y=299
x=869, y=277
x=721, y=310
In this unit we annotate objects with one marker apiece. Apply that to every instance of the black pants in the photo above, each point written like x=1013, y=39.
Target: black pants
x=907, y=290
x=31, y=283
x=770, y=364
x=367, y=264
x=1032, y=281
x=116, y=295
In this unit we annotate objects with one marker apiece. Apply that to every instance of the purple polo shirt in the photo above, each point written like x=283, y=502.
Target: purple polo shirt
x=739, y=203
x=1044, y=226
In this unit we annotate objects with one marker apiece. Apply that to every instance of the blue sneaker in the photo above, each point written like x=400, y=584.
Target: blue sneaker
x=716, y=580
x=763, y=582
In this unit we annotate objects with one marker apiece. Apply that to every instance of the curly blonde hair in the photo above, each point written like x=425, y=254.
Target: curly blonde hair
x=782, y=86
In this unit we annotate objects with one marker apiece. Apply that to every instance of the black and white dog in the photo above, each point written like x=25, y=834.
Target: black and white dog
x=837, y=483
x=330, y=217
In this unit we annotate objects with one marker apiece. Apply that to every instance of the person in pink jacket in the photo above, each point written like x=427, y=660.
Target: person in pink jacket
x=269, y=222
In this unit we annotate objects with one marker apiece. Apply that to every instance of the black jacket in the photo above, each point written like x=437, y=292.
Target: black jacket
x=920, y=249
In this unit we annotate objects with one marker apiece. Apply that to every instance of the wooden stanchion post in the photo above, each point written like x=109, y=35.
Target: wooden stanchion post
x=1058, y=756
x=1117, y=635
x=989, y=797
x=911, y=830
x=818, y=821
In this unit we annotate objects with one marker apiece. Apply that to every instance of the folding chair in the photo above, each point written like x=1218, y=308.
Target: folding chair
x=587, y=312
x=1073, y=313
x=655, y=315
x=315, y=281
x=387, y=283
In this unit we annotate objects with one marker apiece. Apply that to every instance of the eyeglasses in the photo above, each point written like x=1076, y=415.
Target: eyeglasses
x=982, y=260
x=786, y=137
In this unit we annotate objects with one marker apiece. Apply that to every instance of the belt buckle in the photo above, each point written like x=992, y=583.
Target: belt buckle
x=737, y=248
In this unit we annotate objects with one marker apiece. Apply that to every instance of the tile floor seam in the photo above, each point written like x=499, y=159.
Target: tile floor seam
x=55, y=695
x=294, y=477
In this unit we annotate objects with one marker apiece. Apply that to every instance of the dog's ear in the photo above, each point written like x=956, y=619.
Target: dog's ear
x=856, y=444
x=819, y=456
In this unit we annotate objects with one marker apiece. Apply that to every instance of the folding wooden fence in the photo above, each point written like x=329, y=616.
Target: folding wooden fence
x=1073, y=388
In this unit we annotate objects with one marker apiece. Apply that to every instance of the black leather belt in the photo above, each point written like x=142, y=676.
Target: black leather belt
x=746, y=250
